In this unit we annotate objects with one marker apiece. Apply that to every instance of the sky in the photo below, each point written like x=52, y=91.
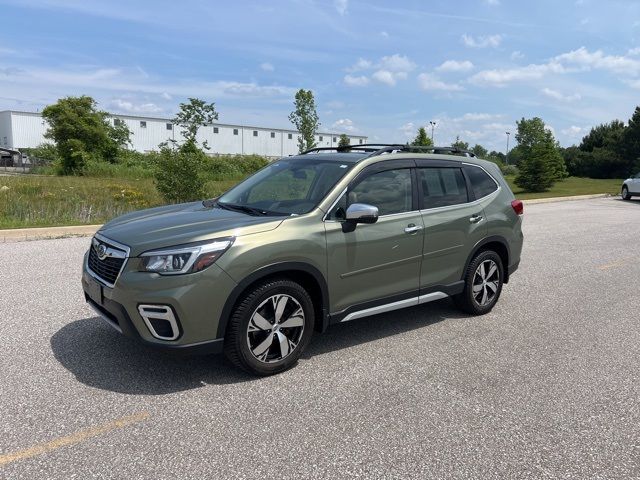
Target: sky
x=377, y=68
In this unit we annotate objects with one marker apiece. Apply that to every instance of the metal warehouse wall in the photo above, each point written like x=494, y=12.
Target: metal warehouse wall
x=26, y=130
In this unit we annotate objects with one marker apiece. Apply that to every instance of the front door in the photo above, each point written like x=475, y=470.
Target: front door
x=379, y=262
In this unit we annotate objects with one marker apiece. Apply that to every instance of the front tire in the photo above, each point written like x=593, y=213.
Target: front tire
x=625, y=193
x=483, y=284
x=270, y=327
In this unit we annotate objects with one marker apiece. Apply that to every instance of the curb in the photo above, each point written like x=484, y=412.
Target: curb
x=565, y=199
x=24, y=234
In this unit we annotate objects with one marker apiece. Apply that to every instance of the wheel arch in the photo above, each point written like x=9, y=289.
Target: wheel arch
x=497, y=244
x=303, y=273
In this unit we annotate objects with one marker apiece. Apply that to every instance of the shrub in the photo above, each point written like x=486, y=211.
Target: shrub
x=179, y=174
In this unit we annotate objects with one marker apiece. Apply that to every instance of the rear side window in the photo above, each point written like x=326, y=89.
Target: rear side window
x=442, y=187
x=481, y=182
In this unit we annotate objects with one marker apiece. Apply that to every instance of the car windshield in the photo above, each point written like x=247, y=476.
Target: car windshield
x=286, y=187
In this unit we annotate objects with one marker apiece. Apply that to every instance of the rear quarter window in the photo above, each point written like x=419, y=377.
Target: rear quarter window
x=481, y=182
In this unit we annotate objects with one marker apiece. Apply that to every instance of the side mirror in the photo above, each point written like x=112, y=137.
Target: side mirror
x=359, y=213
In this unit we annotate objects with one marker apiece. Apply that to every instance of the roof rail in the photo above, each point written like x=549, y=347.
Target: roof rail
x=423, y=149
x=364, y=147
x=375, y=149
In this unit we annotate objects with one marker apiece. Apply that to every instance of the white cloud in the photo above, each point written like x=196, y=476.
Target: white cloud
x=573, y=61
x=598, y=60
x=344, y=124
x=385, y=76
x=130, y=107
x=492, y=41
x=341, y=6
x=455, y=66
x=475, y=117
x=554, y=94
x=356, y=81
x=634, y=51
x=501, y=77
x=408, y=129
x=389, y=70
x=166, y=96
x=396, y=63
x=429, y=81
x=384, y=34
x=361, y=64
x=517, y=55
x=121, y=80
x=573, y=131
x=492, y=3
x=267, y=67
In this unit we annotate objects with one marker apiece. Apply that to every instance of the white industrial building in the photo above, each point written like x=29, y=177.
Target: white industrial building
x=20, y=130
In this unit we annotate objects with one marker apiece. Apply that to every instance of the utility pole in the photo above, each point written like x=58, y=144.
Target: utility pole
x=506, y=157
x=433, y=124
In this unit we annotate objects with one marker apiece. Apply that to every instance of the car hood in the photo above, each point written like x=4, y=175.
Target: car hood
x=184, y=223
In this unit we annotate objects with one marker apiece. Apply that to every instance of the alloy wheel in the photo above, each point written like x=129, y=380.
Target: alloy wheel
x=486, y=281
x=275, y=328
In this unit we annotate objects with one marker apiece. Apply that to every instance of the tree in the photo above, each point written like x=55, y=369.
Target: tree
x=344, y=140
x=193, y=115
x=82, y=132
x=537, y=172
x=422, y=139
x=630, y=143
x=479, y=151
x=541, y=163
x=305, y=118
x=459, y=144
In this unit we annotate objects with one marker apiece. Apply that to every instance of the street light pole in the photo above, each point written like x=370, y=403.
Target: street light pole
x=433, y=124
x=506, y=157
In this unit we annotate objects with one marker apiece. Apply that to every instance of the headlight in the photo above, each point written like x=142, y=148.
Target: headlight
x=189, y=258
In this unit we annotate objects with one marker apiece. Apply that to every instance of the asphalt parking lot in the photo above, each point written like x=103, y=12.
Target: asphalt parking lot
x=545, y=386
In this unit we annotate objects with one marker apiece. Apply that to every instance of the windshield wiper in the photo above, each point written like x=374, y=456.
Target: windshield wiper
x=243, y=208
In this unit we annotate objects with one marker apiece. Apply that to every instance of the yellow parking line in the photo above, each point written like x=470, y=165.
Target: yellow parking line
x=72, y=439
x=618, y=263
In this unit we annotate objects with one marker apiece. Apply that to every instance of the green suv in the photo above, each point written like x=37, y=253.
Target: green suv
x=319, y=238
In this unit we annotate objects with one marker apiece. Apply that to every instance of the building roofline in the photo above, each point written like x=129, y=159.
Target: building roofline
x=170, y=120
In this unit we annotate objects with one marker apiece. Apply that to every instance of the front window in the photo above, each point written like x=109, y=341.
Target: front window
x=286, y=187
x=390, y=191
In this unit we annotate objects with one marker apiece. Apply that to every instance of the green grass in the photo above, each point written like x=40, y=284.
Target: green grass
x=45, y=201
x=571, y=186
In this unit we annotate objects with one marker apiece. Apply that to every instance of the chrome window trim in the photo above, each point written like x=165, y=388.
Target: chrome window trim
x=460, y=205
x=388, y=307
x=119, y=245
x=324, y=218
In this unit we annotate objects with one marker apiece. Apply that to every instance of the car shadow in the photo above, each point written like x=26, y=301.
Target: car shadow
x=102, y=358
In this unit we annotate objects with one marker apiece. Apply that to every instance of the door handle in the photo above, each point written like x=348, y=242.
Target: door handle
x=475, y=218
x=412, y=228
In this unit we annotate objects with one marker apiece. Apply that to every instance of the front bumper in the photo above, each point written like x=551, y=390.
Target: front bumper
x=196, y=300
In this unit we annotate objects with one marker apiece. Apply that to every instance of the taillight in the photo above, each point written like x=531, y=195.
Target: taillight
x=518, y=207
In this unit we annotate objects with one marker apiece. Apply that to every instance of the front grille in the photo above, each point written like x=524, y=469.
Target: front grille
x=108, y=268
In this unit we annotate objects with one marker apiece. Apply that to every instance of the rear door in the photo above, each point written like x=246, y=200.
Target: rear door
x=454, y=222
x=635, y=184
x=379, y=262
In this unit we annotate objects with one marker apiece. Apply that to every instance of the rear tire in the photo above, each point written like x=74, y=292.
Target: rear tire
x=625, y=193
x=270, y=327
x=482, y=284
